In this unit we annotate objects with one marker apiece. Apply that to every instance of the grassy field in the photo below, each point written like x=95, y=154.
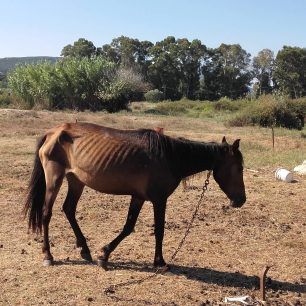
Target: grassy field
x=223, y=255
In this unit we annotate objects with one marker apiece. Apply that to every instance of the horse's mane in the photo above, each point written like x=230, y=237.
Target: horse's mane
x=156, y=144
x=161, y=145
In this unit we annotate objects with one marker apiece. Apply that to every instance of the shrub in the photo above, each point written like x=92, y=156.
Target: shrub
x=226, y=104
x=76, y=83
x=154, y=95
x=5, y=98
x=299, y=108
x=271, y=111
x=133, y=83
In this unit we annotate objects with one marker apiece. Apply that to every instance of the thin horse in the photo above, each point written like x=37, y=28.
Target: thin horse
x=142, y=163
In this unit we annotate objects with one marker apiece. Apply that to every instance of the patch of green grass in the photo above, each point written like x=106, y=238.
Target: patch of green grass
x=253, y=146
x=286, y=158
x=222, y=110
x=258, y=155
x=184, y=107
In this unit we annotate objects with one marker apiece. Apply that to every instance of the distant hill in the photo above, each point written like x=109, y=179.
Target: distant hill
x=8, y=63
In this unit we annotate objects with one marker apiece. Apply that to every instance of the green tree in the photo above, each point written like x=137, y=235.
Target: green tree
x=189, y=56
x=226, y=73
x=290, y=71
x=210, y=71
x=175, y=67
x=263, y=65
x=80, y=48
x=129, y=53
x=163, y=71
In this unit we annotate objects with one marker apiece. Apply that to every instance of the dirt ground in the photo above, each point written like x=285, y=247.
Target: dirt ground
x=222, y=256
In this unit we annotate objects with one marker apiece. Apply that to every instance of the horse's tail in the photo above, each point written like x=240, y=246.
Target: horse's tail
x=35, y=198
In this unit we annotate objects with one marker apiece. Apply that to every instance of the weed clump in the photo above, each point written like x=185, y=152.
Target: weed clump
x=270, y=111
x=154, y=95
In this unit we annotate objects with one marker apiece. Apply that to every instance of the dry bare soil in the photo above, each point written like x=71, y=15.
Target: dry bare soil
x=225, y=251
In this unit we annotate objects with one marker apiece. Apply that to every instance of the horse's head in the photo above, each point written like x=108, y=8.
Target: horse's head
x=228, y=173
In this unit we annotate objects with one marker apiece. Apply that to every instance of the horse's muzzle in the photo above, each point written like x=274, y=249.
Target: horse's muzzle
x=238, y=201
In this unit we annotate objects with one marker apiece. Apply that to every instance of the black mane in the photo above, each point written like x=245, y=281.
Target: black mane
x=161, y=145
x=185, y=156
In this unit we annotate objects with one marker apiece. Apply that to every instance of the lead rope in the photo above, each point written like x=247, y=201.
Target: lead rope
x=111, y=289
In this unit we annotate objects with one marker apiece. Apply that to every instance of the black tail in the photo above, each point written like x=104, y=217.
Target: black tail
x=36, y=193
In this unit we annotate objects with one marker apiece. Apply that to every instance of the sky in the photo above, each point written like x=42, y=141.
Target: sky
x=44, y=27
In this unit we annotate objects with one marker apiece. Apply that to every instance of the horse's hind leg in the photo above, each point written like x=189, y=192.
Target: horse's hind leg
x=134, y=210
x=75, y=189
x=54, y=177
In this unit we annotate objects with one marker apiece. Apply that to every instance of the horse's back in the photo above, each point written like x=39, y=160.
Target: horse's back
x=105, y=159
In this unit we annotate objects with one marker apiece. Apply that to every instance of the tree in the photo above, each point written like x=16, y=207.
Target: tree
x=163, y=71
x=290, y=71
x=209, y=83
x=129, y=53
x=175, y=67
x=226, y=72
x=263, y=65
x=80, y=48
x=190, y=56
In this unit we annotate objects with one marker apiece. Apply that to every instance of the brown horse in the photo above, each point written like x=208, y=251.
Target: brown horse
x=142, y=163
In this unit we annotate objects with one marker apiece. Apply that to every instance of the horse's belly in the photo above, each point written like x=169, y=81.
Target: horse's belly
x=116, y=181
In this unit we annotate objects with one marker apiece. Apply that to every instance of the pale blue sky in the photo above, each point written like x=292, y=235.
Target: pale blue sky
x=41, y=27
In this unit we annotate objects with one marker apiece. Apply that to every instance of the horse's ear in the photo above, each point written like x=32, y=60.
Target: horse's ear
x=224, y=140
x=235, y=145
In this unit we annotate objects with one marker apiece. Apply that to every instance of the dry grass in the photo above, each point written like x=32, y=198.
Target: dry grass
x=226, y=247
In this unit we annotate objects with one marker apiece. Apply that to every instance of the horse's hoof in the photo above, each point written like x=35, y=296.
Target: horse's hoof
x=102, y=263
x=163, y=269
x=47, y=262
x=86, y=256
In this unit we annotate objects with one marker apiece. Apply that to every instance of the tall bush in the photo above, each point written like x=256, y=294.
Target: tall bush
x=78, y=83
x=154, y=95
x=270, y=111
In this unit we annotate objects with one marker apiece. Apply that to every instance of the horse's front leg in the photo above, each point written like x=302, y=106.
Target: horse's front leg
x=159, y=226
x=134, y=210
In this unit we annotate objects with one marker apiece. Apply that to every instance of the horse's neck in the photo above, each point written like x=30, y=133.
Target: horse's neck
x=196, y=157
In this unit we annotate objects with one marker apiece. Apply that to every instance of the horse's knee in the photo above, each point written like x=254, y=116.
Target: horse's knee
x=68, y=210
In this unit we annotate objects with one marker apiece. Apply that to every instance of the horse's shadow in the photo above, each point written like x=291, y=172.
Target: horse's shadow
x=210, y=276
x=205, y=275
x=74, y=262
